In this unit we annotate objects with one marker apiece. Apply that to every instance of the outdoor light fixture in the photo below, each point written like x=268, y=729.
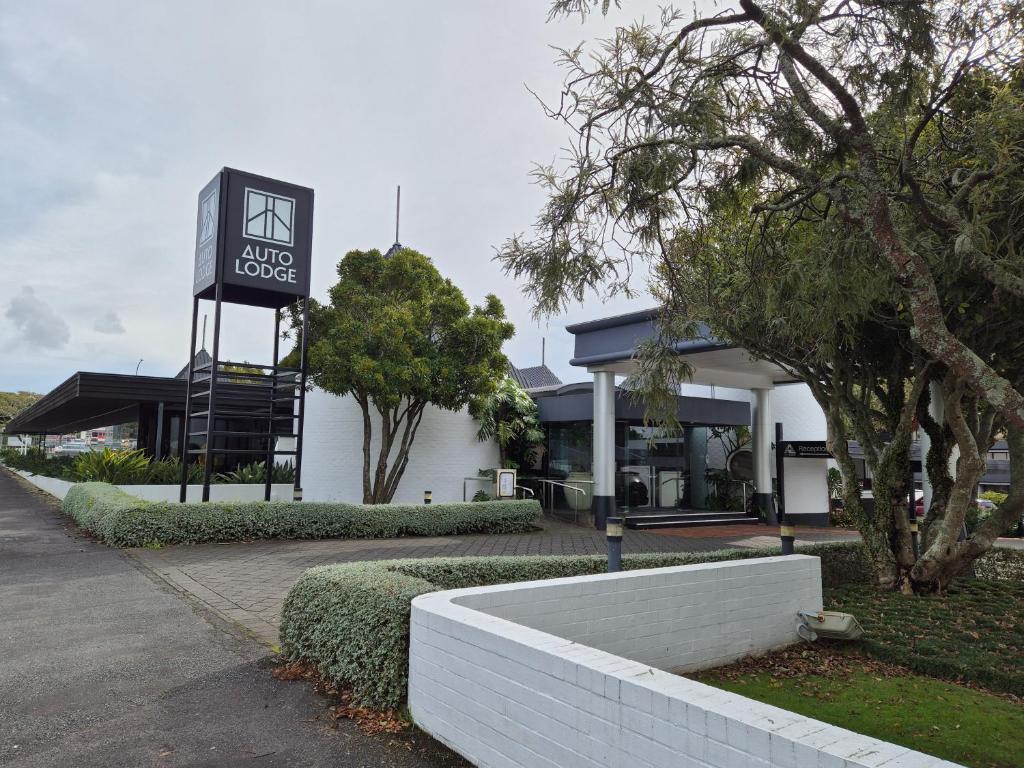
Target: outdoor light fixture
x=428, y=496
x=833, y=625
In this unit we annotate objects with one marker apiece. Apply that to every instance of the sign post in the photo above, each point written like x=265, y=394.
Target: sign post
x=253, y=247
x=786, y=532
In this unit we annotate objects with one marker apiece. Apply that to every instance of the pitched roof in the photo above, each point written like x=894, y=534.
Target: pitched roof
x=202, y=358
x=536, y=376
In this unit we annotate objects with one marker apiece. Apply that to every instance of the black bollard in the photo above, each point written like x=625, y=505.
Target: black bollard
x=613, y=530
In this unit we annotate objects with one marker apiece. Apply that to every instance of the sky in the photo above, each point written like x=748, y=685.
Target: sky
x=113, y=115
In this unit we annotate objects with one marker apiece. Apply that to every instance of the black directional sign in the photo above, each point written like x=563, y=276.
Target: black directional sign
x=805, y=449
x=254, y=238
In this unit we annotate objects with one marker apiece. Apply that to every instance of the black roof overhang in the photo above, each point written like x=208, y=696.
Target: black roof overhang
x=87, y=400
x=90, y=400
x=575, y=402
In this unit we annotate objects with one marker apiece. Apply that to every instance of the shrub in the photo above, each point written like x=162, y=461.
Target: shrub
x=257, y=473
x=122, y=520
x=36, y=461
x=167, y=471
x=352, y=620
x=110, y=466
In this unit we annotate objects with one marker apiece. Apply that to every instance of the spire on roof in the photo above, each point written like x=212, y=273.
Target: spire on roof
x=398, y=208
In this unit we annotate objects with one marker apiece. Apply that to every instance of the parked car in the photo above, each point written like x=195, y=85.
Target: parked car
x=72, y=449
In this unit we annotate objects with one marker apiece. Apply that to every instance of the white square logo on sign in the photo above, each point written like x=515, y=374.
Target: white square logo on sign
x=268, y=217
x=208, y=217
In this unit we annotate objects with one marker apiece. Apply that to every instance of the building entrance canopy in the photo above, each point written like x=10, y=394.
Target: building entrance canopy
x=611, y=343
x=608, y=348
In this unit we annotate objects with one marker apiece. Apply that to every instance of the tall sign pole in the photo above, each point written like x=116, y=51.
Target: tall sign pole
x=786, y=532
x=253, y=247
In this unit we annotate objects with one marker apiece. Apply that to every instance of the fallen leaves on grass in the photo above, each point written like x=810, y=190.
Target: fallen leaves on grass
x=803, y=661
x=369, y=721
x=814, y=662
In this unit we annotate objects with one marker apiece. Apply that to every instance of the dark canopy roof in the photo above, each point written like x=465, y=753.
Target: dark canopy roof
x=89, y=400
x=575, y=402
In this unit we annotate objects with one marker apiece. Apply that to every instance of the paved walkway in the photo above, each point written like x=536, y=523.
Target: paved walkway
x=102, y=665
x=246, y=583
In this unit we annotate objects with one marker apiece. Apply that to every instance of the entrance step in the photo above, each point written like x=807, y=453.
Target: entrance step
x=687, y=520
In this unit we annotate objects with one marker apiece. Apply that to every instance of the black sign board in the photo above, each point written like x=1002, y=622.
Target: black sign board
x=805, y=449
x=254, y=237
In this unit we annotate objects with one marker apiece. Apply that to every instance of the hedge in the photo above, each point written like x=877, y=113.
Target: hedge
x=352, y=620
x=122, y=520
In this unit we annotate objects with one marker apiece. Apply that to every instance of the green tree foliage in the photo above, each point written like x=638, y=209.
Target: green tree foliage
x=837, y=187
x=396, y=336
x=12, y=403
x=508, y=415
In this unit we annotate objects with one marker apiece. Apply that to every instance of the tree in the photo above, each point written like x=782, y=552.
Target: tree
x=835, y=186
x=396, y=336
x=508, y=415
x=12, y=403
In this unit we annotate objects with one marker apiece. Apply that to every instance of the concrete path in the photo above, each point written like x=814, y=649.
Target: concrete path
x=102, y=665
x=246, y=583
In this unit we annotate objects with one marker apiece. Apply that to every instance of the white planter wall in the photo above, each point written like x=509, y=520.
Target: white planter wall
x=568, y=673
x=171, y=493
x=51, y=485
x=445, y=451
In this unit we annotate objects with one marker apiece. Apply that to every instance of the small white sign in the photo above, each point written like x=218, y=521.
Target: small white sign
x=506, y=483
x=208, y=217
x=268, y=217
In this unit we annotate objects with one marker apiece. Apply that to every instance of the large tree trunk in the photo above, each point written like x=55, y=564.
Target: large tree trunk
x=946, y=555
x=380, y=484
x=364, y=406
x=929, y=324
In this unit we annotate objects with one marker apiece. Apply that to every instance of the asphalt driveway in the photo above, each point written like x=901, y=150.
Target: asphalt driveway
x=103, y=665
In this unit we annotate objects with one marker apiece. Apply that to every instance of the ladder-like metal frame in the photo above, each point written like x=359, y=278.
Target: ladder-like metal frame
x=266, y=389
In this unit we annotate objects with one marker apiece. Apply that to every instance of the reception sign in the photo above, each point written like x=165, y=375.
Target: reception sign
x=805, y=449
x=254, y=239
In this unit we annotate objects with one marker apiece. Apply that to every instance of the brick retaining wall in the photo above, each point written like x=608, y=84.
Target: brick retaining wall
x=570, y=673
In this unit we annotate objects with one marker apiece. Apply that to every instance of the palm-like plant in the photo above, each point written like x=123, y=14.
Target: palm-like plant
x=509, y=416
x=110, y=466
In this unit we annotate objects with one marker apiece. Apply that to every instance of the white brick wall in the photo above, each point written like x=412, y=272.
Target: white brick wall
x=446, y=450
x=535, y=675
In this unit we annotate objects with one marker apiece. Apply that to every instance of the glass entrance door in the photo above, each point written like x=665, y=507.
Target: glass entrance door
x=651, y=468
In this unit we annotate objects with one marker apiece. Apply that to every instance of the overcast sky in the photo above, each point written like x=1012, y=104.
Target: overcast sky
x=114, y=114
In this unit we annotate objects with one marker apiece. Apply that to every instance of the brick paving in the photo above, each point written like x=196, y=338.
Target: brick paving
x=246, y=583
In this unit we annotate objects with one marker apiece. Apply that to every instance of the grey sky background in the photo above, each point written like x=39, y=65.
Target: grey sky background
x=114, y=114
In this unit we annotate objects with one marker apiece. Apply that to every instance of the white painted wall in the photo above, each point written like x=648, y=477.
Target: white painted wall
x=446, y=450
x=171, y=493
x=506, y=694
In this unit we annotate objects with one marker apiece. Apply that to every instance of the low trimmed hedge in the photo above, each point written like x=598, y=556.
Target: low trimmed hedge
x=122, y=520
x=352, y=620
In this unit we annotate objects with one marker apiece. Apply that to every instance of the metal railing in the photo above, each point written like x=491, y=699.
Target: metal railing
x=548, y=492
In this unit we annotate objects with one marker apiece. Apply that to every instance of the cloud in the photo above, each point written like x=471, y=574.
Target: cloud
x=108, y=322
x=39, y=323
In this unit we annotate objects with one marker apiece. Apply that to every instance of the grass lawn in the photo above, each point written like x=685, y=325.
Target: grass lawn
x=974, y=633
x=965, y=725
x=895, y=684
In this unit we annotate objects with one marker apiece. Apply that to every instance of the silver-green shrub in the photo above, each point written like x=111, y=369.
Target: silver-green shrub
x=352, y=620
x=121, y=520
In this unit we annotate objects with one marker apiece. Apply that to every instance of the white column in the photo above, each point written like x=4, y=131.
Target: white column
x=604, y=447
x=763, y=430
